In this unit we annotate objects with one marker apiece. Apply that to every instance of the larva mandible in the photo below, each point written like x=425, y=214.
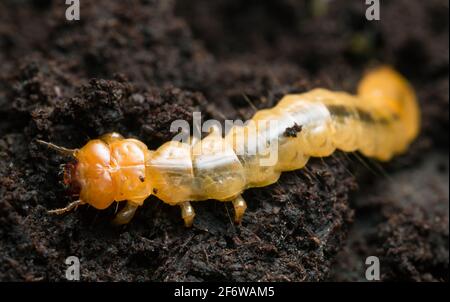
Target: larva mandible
x=380, y=122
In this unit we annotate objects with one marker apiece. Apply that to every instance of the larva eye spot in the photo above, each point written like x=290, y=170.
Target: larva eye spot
x=69, y=178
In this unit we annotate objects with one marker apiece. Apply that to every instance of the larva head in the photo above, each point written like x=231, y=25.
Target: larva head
x=92, y=174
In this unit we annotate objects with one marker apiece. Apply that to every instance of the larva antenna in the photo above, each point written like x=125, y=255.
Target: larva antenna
x=62, y=150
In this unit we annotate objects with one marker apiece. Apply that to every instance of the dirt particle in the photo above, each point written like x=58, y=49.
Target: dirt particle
x=293, y=131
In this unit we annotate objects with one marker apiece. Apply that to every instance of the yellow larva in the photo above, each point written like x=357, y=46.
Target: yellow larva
x=380, y=122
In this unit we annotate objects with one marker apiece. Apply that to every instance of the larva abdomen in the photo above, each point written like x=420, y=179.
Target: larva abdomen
x=328, y=120
x=218, y=171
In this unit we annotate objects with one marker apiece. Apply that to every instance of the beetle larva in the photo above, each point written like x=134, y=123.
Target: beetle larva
x=380, y=122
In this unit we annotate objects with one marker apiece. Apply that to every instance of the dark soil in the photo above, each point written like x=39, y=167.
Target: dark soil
x=135, y=66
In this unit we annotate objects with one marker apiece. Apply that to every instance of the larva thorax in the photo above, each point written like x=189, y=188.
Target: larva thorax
x=380, y=121
x=112, y=169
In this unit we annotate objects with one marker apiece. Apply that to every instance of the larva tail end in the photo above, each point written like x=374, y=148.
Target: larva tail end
x=385, y=88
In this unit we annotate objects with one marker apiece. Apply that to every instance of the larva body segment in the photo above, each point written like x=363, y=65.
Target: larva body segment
x=380, y=122
x=113, y=170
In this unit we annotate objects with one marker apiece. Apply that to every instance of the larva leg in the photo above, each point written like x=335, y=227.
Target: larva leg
x=66, y=209
x=126, y=213
x=240, y=206
x=187, y=213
